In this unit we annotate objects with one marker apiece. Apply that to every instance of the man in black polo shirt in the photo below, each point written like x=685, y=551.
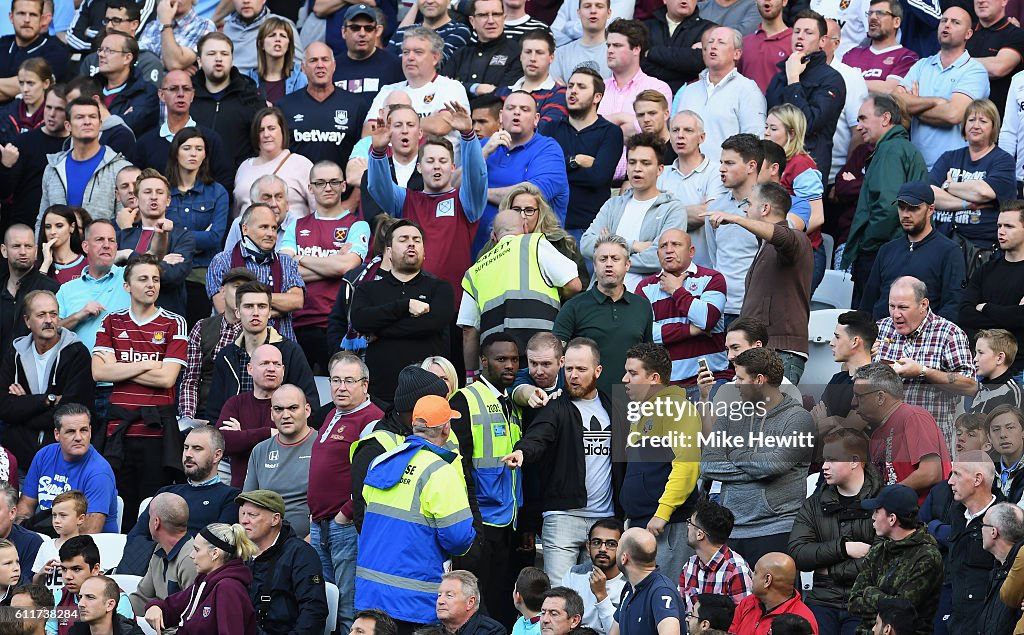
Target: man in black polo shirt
x=325, y=121
x=365, y=68
x=29, y=40
x=493, y=60
x=999, y=45
x=650, y=601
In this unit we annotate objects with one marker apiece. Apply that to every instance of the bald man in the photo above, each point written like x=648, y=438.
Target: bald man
x=774, y=593
x=171, y=568
x=647, y=605
x=496, y=276
x=688, y=301
x=968, y=564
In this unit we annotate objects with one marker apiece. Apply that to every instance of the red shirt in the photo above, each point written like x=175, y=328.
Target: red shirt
x=330, y=475
x=66, y=272
x=320, y=238
x=761, y=54
x=898, y=445
x=254, y=416
x=751, y=619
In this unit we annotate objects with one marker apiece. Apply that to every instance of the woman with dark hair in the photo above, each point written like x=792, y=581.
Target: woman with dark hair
x=60, y=243
x=26, y=111
x=270, y=137
x=278, y=70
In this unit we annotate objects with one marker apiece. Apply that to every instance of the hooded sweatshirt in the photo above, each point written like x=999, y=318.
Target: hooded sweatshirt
x=98, y=196
x=217, y=603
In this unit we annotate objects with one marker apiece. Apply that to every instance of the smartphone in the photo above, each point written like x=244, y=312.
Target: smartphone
x=702, y=365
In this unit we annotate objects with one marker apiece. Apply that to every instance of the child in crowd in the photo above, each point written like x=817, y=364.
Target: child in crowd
x=971, y=433
x=1005, y=427
x=69, y=509
x=994, y=354
x=10, y=570
x=531, y=585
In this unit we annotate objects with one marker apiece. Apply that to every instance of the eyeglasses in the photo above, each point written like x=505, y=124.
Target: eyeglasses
x=525, y=211
x=348, y=382
x=690, y=522
x=321, y=184
x=877, y=13
x=597, y=542
x=106, y=50
x=356, y=28
x=489, y=16
x=178, y=89
x=861, y=395
x=114, y=21
x=690, y=614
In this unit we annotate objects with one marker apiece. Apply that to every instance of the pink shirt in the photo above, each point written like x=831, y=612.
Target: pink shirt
x=620, y=99
x=761, y=55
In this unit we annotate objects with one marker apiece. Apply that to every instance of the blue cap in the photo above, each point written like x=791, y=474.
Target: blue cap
x=915, y=193
x=358, y=10
x=895, y=499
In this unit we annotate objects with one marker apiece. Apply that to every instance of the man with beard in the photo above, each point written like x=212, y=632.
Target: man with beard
x=769, y=44
x=364, y=68
x=573, y=435
x=21, y=278
x=883, y=62
x=600, y=581
x=406, y=313
x=921, y=252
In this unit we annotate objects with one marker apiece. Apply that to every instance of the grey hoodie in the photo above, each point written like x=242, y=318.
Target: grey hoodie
x=23, y=349
x=99, y=196
x=666, y=212
x=764, y=486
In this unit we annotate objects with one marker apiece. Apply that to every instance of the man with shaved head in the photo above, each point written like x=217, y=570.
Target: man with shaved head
x=171, y=568
x=775, y=594
x=1001, y=534
x=650, y=601
x=688, y=301
x=931, y=354
x=20, y=277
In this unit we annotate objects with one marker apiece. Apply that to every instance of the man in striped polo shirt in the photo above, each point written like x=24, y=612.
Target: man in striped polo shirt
x=141, y=350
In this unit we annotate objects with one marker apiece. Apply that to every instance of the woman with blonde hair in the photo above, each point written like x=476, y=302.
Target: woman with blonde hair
x=970, y=182
x=538, y=217
x=444, y=369
x=278, y=70
x=217, y=603
x=786, y=125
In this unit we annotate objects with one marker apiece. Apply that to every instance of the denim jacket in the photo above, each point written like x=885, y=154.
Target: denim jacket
x=204, y=211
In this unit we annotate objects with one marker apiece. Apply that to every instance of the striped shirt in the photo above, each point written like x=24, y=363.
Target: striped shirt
x=456, y=35
x=727, y=573
x=699, y=301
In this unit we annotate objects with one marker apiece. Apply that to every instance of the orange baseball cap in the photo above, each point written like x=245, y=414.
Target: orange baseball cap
x=433, y=411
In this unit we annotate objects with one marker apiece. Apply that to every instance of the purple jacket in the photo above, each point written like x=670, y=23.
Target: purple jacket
x=217, y=603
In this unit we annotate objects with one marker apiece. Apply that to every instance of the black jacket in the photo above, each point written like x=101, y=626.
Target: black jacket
x=137, y=104
x=381, y=308
x=21, y=186
x=996, y=618
x=298, y=598
x=968, y=565
x=820, y=95
x=232, y=116
x=122, y=626
x=822, y=528
x=495, y=62
x=480, y=624
x=555, y=441
x=12, y=313
x=151, y=151
x=28, y=419
x=672, y=58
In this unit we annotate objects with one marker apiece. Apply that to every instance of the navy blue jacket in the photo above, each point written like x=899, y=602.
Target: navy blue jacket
x=153, y=151
x=298, y=597
x=588, y=187
x=137, y=104
x=820, y=95
x=48, y=47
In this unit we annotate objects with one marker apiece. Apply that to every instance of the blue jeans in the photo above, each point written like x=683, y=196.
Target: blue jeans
x=833, y=620
x=819, y=267
x=337, y=548
x=793, y=366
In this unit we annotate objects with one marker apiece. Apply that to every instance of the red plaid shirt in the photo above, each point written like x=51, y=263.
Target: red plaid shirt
x=727, y=573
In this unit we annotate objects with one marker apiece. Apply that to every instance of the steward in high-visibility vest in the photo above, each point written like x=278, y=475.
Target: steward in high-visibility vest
x=417, y=516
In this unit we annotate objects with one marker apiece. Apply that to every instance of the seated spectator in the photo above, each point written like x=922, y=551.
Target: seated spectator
x=561, y=612
x=220, y=552
x=272, y=191
x=38, y=600
x=171, y=568
x=242, y=27
x=79, y=561
x=26, y=113
x=922, y=252
x=971, y=434
x=1004, y=428
x=278, y=70
x=895, y=614
x=590, y=50
x=434, y=16
x=851, y=344
x=528, y=598
x=115, y=133
x=832, y=532
x=27, y=542
x=175, y=34
x=1005, y=524
x=774, y=595
x=60, y=244
x=970, y=182
x=134, y=98
x=363, y=68
x=493, y=59
x=98, y=598
x=538, y=53
x=714, y=568
x=883, y=62
x=458, y=606
x=600, y=582
x=100, y=18
x=995, y=354
x=29, y=38
x=287, y=588
x=271, y=138
x=712, y=614
x=71, y=464
x=68, y=516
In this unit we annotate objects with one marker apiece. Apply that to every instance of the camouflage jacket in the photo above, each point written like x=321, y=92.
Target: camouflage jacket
x=910, y=568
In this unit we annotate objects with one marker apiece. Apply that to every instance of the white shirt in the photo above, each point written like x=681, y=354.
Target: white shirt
x=403, y=172
x=629, y=228
x=852, y=18
x=856, y=93
x=704, y=183
x=568, y=27
x=42, y=361
x=596, y=615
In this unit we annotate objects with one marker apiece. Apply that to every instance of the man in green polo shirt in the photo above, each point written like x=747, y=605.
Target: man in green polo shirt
x=608, y=314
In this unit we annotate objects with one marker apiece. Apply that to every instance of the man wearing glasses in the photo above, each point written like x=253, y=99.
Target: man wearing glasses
x=365, y=69
x=883, y=62
x=119, y=15
x=599, y=582
x=329, y=243
x=126, y=93
x=493, y=60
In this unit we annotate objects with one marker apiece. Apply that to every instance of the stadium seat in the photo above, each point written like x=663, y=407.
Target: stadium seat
x=143, y=507
x=120, y=513
x=820, y=366
x=111, y=548
x=323, y=388
x=829, y=243
x=144, y=625
x=332, y=607
x=128, y=583
x=834, y=292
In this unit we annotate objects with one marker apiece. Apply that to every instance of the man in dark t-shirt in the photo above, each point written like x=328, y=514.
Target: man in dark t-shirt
x=999, y=45
x=365, y=68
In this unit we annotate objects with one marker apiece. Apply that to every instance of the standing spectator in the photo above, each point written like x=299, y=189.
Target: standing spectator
x=687, y=300
x=769, y=44
x=1005, y=524
x=741, y=16
x=124, y=16
x=1011, y=134
x=590, y=49
x=846, y=138
x=458, y=606
x=434, y=15
x=567, y=29
x=851, y=24
x=225, y=101
x=493, y=60
x=281, y=463
x=175, y=33
x=584, y=137
x=639, y=216
x=854, y=336
x=807, y=81
x=671, y=54
x=402, y=156
x=942, y=96
x=26, y=112
x=29, y=39
x=775, y=595
x=84, y=175
x=20, y=278
x=272, y=139
x=692, y=177
x=42, y=369
x=144, y=368
x=171, y=567
x=727, y=102
x=894, y=162
x=406, y=312
x=832, y=533
x=114, y=132
x=649, y=598
x=242, y=27
x=278, y=70
x=542, y=378
x=599, y=582
x=934, y=259
x=905, y=564
x=998, y=44
x=272, y=191
x=883, y=62
x=778, y=284
x=608, y=313
x=126, y=94
x=90, y=15
x=518, y=22
x=538, y=51
x=364, y=68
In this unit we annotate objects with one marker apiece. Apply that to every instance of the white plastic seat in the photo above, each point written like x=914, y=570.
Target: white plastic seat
x=323, y=388
x=835, y=291
x=143, y=506
x=128, y=583
x=820, y=366
x=333, y=595
x=111, y=548
x=829, y=244
x=120, y=512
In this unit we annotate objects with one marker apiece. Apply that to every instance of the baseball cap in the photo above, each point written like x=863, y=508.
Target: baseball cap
x=915, y=193
x=433, y=411
x=895, y=499
x=265, y=498
x=358, y=10
x=238, y=274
